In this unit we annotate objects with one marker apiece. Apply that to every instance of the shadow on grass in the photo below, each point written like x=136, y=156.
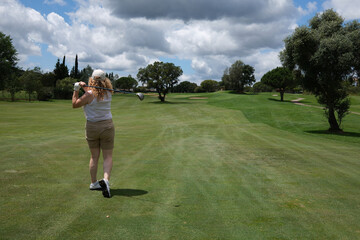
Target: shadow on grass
x=128, y=192
x=242, y=93
x=133, y=193
x=278, y=100
x=326, y=132
x=238, y=93
x=166, y=102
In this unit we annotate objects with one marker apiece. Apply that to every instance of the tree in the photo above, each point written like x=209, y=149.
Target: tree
x=57, y=71
x=280, y=78
x=111, y=77
x=61, y=71
x=199, y=89
x=74, y=73
x=185, y=87
x=76, y=67
x=238, y=76
x=126, y=83
x=31, y=80
x=225, y=79
x=326, y=52
x=210, y=85
x=64, y=69
x=86, y=73
x=8, y=61
x=48, y=79
x=161, y=76
x=14, y=85
x=64, y=88
x=261, y=87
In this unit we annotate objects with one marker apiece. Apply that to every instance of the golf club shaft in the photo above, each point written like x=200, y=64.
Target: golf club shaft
x=139, y=95
x=109, y=89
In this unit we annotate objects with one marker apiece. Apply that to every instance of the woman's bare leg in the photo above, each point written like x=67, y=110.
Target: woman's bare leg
x=108, y=163
x=93, y=165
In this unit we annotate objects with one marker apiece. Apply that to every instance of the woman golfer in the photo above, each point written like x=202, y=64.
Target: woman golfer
x=99, y=126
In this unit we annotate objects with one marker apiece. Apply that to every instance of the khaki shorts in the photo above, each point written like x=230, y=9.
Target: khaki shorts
x=100, y=134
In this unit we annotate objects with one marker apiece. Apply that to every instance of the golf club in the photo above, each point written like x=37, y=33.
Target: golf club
x=140, y=95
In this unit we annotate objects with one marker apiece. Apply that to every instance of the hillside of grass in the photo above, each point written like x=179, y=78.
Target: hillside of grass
x=268, y=109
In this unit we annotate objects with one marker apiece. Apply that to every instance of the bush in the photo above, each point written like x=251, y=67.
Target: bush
x=354, y=90
x=45, y=94
x=64, y=88
x=199, y=90
x=248, y=89
x=210, y=85
x=185, y=87
x=140, y=89
x=261, y=87
x=298, y=89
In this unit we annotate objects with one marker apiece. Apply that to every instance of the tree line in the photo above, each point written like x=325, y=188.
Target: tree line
x=159, y=76
x=57, y=84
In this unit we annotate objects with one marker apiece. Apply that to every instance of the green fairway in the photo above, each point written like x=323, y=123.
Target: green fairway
x=224, y=167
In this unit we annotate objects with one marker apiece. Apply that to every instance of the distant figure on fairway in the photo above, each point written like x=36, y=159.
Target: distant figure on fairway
x=100, y=130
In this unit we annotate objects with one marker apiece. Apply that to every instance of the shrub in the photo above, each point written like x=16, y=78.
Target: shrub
x=261, y=87
x=45, y=94
x=64, y=88
x=199, y=89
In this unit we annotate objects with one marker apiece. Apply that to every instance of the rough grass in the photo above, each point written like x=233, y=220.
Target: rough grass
x=226, y=167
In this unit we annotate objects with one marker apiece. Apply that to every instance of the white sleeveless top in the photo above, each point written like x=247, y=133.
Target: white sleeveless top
x=98, y=110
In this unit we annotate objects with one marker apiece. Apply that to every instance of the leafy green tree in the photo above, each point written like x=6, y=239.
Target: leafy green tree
x=199, y=89
x=225, y=79
x=326, y=52
x=111, y=77
x=161, y=76
x=353, y=31
x=57, y=71
x=185, y=87
x=210, y=85
x=14, y=85
x=86, y=73
x=126, y=83
x=48, y=79
x=31, y=81
x=46, y=92
x=261, y=87
x=72, y=72
x=64, y=88
x=8, y=61
x=61, y=71
x=280, y=78
x=238, y=76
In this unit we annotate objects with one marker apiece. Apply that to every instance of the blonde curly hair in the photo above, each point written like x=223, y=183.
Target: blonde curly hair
x=99, y=93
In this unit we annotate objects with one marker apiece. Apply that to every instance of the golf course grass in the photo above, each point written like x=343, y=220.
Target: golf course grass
x=220, y=166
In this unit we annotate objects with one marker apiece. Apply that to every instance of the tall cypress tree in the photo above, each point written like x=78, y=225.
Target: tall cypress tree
x=76, y=67
x=57, y=71
x=64, y=70
x=61, y=70
x=74, y=73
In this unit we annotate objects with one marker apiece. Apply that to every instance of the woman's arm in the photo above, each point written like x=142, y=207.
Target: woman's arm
x=85, y=99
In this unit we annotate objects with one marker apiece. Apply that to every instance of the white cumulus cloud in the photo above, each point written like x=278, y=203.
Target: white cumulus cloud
x=349, y=9
x=126, y=35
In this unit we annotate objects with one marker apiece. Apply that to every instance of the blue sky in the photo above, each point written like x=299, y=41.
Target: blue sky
x=202, y=36
x=46, y=8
